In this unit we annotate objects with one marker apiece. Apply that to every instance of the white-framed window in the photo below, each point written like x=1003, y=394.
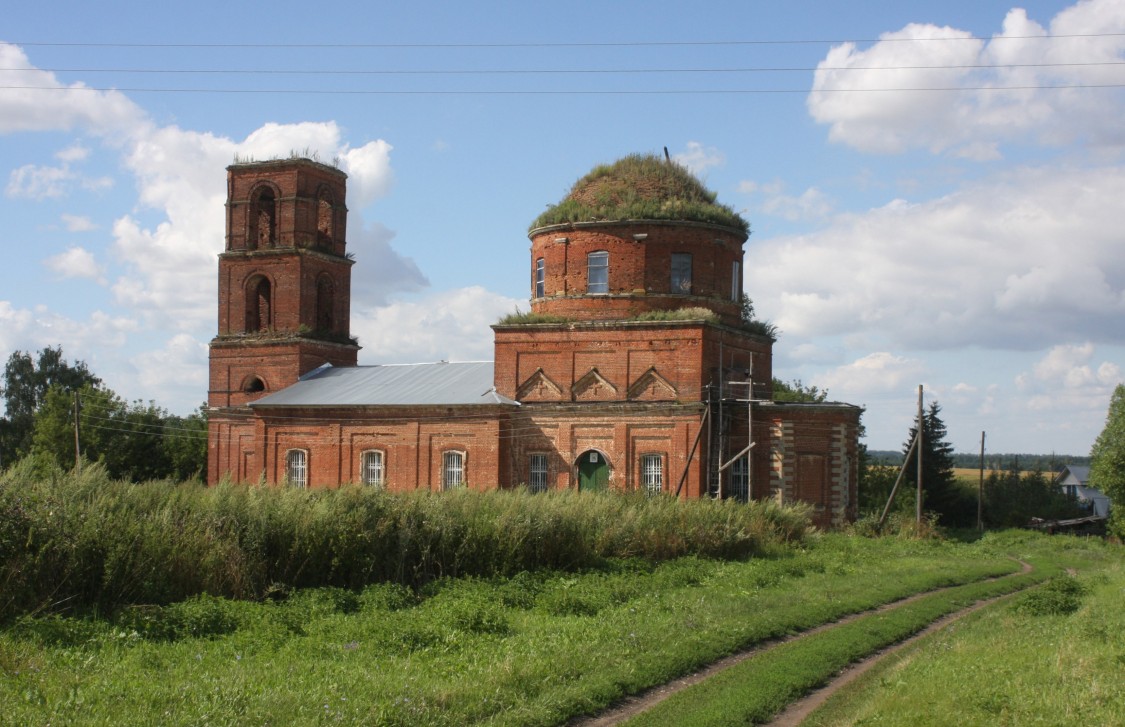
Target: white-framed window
x=372, y=471
x=297, y=467
x=537, y=473
x=736, y=281
x=652, y=473
x=452, y=470
x=681, y=273
x=540, y=277
x=739, y=487
x=597, y=272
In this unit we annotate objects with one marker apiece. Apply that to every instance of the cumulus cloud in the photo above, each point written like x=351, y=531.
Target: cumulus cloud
x=851, y=87
x=451, y=325
x=78, y=223
x=1066, y=388
x=34, y=100
x=872, y=375
x=699, y=158
x=811, y=204
x=38, y=182
x=1004, y=263
x=178, y=370
x=75, y=262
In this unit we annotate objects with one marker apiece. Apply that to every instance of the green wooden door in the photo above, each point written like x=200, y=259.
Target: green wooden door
x=593, y=472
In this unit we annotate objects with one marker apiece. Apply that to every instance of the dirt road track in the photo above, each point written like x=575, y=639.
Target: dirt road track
x=799, y=710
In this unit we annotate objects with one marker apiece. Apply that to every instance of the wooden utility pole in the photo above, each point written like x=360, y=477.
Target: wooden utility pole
x=918, y=505
x=77, y=450
x=980, y=488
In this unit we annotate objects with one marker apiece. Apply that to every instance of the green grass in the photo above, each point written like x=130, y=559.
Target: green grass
x=534, y=649
x=756, y=689
x=82, y=542
x=641, y=187
x=1055, y=655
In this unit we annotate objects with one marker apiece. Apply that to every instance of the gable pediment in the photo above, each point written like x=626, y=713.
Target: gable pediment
x=594, y=387
x=651, y=386
x=539, y=387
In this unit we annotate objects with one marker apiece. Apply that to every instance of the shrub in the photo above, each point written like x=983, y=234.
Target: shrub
x=1057, y=597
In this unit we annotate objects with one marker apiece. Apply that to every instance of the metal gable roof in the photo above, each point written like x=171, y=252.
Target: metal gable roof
x=439, y=384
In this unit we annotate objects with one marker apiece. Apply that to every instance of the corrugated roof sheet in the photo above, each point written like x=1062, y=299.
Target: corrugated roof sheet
x=442, y=383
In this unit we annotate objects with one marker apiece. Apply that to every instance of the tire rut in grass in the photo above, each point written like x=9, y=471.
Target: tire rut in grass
x=639, y=703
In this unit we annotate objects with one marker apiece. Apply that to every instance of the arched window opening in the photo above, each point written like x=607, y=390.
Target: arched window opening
x=325, y=303
x=452, y=470
x=540, y=277
x=263, y=221
x=254, y=385
x=537, y=473
x=259, y=309
x=652, y=473
x=372, y=468
x=325, y=218
x=681, y=273
x=597, y=273
x=297, y=467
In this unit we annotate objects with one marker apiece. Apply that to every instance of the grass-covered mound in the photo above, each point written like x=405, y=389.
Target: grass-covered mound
x=640, y=187
x=84, y=541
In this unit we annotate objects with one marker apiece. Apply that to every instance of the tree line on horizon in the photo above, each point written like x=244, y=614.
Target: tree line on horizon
x=135, y=441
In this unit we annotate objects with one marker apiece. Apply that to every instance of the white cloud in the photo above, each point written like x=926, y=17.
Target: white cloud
x=369, y=173
x=1065, y=389
x=78, y=223
x=972, y=123
x=74, y=153
x=1005, y=263
x=809, y=205
x=75, y=262
x=34, y=100
x=14, y=324
x=177, y=370
x=872, y=375
x=699, y=158
x=452, y=325
x=38, y=182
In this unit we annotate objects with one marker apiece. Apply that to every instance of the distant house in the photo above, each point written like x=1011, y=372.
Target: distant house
x=1072, y=479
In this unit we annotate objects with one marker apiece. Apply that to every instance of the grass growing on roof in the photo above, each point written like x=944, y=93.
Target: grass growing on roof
x=641, y=187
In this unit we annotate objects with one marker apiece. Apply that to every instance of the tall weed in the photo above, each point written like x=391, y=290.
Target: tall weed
x=84, y=541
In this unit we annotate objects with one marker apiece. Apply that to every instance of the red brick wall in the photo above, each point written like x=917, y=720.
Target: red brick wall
x=815, y=458
x=639, y=269
x=685, y=355
x=412, y=441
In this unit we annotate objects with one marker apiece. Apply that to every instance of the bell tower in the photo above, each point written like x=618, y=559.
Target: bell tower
x=284, y=280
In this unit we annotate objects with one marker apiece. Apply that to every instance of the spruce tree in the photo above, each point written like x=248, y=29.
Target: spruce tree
x=940, y=493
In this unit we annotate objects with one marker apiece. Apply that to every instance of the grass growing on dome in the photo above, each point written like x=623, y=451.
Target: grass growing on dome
x=640, y=187
x=695, y=313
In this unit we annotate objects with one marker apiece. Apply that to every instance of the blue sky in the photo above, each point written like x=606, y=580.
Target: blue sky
x=967, y=239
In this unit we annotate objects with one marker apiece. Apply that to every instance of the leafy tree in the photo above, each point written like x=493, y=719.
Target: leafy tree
x=1107, y=458
x=1013, y=497
x=797, y=391
x=954, y=505
x=135, y=441
x=26, y=383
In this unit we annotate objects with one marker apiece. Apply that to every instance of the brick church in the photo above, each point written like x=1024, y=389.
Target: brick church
x=636, y=368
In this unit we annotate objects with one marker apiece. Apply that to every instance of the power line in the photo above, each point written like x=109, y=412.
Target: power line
x=554, y=71
x=571, y=92
x=562, y=44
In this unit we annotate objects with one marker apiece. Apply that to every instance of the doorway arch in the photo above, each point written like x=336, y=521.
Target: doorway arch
x=593, y=468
